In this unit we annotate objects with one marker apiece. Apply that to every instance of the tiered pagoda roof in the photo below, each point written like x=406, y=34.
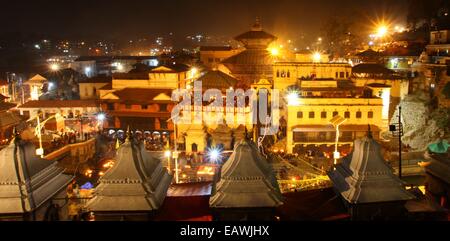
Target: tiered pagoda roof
x=364, y=177
x=246, y=181
x=136, y=182
x=26, y=180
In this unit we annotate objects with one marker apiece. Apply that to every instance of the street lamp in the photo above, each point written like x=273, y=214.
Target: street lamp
x=336, y=121
x=274, y=51
x=100, y=118
x=54, y=67
x=316, y=57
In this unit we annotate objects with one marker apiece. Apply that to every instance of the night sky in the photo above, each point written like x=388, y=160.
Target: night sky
x=116, y=19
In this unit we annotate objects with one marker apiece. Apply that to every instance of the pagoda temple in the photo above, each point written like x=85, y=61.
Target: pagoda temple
x=255, y=62
x=134, y=188
x=28, y=183
x=367, y=184
x=246, y=187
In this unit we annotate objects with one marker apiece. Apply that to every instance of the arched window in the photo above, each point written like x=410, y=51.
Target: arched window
x=370, y=114
x=358, y=114
x=194, y=147
x=288, y=74
x=278, y=73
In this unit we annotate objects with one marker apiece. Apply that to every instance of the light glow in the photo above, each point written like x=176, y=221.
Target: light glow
x=214, y=154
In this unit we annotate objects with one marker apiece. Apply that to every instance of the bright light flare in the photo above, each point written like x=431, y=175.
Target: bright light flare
x=382, y=31
x=54, y=67
x=101, y=117
x=274, y=51
x=214, y=154
x=293, y=98
x=316, y=57
x=167, y=153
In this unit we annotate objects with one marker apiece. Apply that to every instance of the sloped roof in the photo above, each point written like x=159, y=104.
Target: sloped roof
x=369, y=53
x=59, y=104
x=136, y=182
x=217, y=79
x=8, y=119
x=246, y=180
x=364, y=177
x=6, y=105
x=42, y=179
x=141, y=95
x=251, y=57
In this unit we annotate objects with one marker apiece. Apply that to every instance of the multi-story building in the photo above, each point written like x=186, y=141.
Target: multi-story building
x=90, y=88
x=309, y=114
x=290, y=73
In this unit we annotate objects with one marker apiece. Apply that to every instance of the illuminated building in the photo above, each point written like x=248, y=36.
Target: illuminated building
x=139, y=108
x=90, y=88
x=66, y=108
x=36, y=83
x=8, y=120
x=255, y=62
x=28, y=183
x=247, y=188
x=384, y=82
x=290, y=73
x=133, y=188
x=318, y=101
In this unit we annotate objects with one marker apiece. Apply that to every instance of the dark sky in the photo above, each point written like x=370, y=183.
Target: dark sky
x=115, y=18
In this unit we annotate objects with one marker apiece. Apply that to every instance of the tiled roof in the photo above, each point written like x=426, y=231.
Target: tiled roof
x=141, y=95
x=255, y=35
x=217, y=80
x=251, y=57
x=59, y=103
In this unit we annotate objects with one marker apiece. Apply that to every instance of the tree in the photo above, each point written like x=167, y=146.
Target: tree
x=341, y=34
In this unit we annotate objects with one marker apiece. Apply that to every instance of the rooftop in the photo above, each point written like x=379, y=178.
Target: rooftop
x=59, y=104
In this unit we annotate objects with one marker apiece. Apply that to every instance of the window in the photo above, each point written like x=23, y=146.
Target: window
x=370, y=114
x=335, y=113
x=323, y=114
x=347, y=114
x=127, y=106
x=288, y=74
x=299, y=114
x=144, y=107
x=110, y=106
x=311, y=114
x=217, y=60
x=94, y=90
x=278, y=73
x=337, y=75
x=163, y=107
x=358, y=114
x=346, y=74
x=210, y=60
x=341, y=75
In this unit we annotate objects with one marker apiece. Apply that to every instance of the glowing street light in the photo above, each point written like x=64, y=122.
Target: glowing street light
x=292, y=98
x=100, y=118
x=382, y=31
x=54, y=67
x=214, y=154
x=274, y=51
x=316, y=57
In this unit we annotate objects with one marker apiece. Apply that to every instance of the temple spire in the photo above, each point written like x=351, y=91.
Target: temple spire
x=257, y=26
